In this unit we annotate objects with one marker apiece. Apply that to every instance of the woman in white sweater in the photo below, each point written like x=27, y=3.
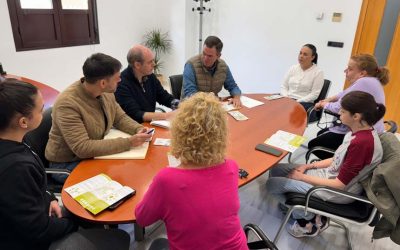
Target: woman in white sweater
x=303, y=82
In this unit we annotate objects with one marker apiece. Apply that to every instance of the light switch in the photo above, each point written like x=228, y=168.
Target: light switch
x=337, y=17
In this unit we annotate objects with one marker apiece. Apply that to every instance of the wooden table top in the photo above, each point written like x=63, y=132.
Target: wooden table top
x=49, y=94
x=264, y=120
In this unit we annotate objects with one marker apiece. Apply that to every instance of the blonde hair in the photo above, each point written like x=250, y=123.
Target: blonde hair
x=199, y=131
x=370, y=65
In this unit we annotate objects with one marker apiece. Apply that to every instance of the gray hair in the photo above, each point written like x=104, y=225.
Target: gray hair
x=135, y=54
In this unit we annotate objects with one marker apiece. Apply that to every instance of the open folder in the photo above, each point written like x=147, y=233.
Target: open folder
x=138, y=152
x=99, y=192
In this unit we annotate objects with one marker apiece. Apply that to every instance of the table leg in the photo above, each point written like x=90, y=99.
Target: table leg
x=139, y=232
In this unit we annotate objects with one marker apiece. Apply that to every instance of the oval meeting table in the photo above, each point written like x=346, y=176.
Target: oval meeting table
x=49, y=93
x=264, y=120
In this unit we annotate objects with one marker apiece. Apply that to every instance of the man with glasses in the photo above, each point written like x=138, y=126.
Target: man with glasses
x=140, y=89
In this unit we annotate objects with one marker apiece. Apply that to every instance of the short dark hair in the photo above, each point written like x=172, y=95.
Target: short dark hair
x=314, y=51
x=99, y=66
x=364, y=104
x=15, y=97
x=213, y=41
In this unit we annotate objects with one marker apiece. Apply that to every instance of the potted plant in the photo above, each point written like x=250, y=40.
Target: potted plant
x=159, y=43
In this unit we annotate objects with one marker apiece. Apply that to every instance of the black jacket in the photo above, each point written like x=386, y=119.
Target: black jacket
x=24, y=202
x=135, y=100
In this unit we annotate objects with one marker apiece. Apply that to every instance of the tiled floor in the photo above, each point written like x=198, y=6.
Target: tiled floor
x=258, y=208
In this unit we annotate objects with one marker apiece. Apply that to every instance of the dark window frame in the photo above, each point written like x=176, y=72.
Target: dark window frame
x=53, y=28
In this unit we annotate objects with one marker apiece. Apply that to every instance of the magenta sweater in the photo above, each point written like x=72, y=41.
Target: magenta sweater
x=199, y=207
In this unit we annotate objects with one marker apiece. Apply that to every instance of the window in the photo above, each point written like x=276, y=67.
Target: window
x=42, y=24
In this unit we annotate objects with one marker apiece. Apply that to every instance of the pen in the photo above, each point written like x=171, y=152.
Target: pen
x=150, y=131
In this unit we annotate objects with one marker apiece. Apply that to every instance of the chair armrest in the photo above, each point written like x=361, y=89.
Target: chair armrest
x=315, y=189
x=318, y=148
x=260, y=234
x=57, y=171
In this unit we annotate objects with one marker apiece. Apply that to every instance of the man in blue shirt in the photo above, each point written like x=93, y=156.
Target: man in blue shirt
x=208, y=73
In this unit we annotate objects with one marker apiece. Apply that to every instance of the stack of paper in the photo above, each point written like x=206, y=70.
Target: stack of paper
x=138, y=152
x=285, y=140
x=273, y=97
x=161, y=123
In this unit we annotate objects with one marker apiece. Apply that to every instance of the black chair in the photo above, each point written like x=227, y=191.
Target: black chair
x=37, y=141
x=263, y=241
x=176, y=85
x=313, y=115
x=360, y=212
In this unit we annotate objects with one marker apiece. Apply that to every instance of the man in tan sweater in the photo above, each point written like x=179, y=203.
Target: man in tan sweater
x=85, y=112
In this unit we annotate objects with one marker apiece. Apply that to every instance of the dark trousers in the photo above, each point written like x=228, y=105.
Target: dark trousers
x=328, y=140
x=307, y=105
x=93, y=239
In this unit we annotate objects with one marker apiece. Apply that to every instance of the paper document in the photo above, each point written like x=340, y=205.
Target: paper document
x=98, y=193
x=138, y=152
x=161, y=123
x=172, y=161
x=285, y=140
x=228, y=107
x=162, y=142
x=238, y=116
x=273, y=97
x=250, y=103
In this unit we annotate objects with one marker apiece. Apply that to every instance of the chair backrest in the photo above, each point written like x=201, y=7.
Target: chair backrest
x=391, y=126
x=37, y=139
x=312, y=115
x=324, y=90
x=176, y=85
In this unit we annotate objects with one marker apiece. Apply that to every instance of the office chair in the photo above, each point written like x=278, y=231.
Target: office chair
x=313, y=115
x=176, y=85
x=263, y=241
x=360, y=212
x=37, y=141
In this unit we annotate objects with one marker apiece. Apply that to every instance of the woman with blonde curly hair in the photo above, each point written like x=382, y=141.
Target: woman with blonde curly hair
x=198, y=200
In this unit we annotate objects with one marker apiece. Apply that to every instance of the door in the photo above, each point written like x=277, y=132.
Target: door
x=378, y=33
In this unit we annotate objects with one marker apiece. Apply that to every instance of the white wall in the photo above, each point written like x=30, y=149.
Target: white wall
x=121, y=23
x=262, y=38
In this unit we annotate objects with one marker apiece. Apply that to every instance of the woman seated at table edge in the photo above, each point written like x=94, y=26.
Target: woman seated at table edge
x=361, y=149
x=304, y=80
x=198, y=200
x=363, y=74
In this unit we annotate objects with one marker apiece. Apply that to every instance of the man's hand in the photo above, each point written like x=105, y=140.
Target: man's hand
x=236, y=101
x=170, y=115
x=139, y=138
x=55, y=209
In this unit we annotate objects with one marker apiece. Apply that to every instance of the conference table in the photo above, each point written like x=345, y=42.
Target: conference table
x=49, y=94
x=264, y=120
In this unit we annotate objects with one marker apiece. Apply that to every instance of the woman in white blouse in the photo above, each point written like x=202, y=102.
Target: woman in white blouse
x=303, y=82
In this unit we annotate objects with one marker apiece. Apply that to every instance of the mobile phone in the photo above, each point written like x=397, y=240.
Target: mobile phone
x=117, y=203
x=151, y=130
x=268, y=149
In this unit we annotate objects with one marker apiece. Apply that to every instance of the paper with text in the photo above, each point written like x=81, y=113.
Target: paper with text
x=285, y=140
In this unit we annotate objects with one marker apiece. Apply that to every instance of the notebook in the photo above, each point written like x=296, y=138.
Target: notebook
x=138, y=152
